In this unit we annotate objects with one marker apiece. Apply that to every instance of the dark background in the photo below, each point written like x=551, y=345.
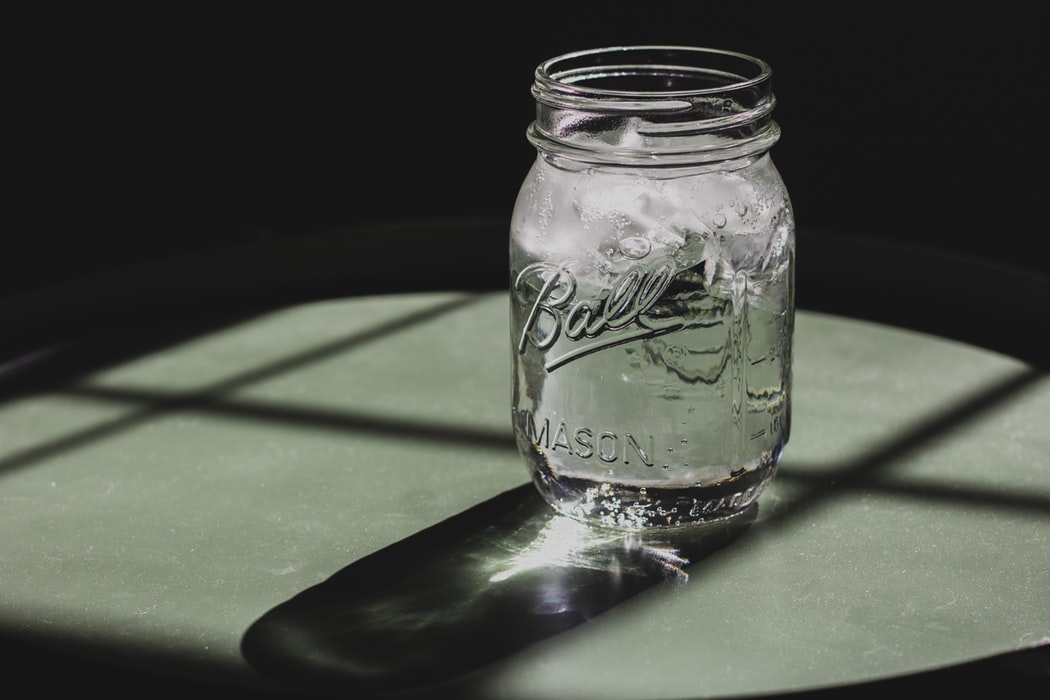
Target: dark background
x=169, y=132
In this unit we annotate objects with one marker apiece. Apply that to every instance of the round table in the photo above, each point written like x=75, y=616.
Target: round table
x=323, y=495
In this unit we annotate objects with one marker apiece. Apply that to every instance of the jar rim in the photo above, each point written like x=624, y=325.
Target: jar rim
x=568, y=71
x=633, y=104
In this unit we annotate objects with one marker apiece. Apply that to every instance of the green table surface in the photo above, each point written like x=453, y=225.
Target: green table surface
x=328, y=496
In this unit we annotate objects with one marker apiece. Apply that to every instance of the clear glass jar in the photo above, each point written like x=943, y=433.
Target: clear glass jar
x=652, y=287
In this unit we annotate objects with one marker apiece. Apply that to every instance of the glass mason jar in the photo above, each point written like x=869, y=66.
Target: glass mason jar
x=652, y=287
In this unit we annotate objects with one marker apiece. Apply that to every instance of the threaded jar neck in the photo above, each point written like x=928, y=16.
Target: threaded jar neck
x=653, y=106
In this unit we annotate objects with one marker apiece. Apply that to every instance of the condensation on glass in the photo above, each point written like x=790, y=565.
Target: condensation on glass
x=652, y=253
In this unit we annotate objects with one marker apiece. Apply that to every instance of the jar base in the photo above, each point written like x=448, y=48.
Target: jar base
x=634, y=508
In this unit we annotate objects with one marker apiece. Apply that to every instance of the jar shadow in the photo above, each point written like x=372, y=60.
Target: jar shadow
x=465, y=593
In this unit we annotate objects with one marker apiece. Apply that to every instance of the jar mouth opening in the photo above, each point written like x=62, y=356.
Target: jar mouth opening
x=630, y=104
x=650, y=72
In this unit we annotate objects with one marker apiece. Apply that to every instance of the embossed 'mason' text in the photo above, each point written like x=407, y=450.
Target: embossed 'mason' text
x=585, y=443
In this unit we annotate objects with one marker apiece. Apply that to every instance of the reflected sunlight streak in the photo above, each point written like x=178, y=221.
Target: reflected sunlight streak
x=564, y=542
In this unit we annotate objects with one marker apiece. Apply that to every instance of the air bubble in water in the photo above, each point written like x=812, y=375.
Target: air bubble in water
x=635, y=248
